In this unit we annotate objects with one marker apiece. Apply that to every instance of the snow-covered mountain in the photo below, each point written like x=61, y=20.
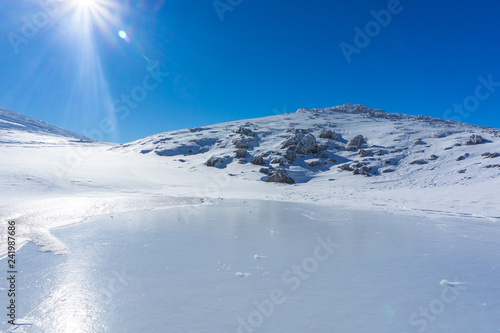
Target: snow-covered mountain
x=17, y=128
x=339, y=144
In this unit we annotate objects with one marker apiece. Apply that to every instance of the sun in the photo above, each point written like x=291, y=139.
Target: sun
x=92, y=12
x=85, y=3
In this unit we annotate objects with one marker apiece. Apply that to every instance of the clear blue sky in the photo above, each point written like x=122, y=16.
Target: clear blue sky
x=185, y=63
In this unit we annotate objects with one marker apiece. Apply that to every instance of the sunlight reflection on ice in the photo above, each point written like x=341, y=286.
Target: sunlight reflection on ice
x=75, y=305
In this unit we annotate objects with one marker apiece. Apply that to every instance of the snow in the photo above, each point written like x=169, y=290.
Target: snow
x=17, y=128
x=446, y=283
x=436, y=224
x=11, y=123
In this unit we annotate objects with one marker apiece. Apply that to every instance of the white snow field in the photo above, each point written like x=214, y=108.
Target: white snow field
x=397, y=231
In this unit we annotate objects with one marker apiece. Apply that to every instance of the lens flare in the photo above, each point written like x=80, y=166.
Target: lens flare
x=84, y=24
x=122, y=34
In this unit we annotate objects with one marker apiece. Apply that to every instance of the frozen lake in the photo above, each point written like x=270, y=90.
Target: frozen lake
x=255, y=266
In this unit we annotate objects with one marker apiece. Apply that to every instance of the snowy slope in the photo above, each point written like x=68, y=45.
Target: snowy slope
x=17, y=128
x=399, y=151
x=49, y=186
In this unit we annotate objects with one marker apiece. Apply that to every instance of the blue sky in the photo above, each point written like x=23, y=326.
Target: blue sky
x=194, y=63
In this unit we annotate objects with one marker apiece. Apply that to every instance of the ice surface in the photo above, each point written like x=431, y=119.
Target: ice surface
x=340, y=271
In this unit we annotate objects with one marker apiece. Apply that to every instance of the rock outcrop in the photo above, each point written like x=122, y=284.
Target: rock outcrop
x=355, y=143
x=290, y=155
x=364, y=153
x=240, y=143
x=280, y=176
x=475, y=139
x=306, y=145
x=214, y=161
x=418, y=162
x=241, y=153
x=258, y=160
x=328, y=134
x=245, y=131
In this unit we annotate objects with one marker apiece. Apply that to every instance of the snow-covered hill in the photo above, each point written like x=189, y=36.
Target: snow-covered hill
x=17, y=128
x=340, y=144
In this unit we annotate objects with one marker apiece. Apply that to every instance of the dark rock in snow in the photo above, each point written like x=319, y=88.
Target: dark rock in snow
x=345, y=167
x=306, y=145
x=364, y=153
x=419, y=162
x=475, y=139
x=240, y=143
x=290, y=155
x=213, y=161
x=362, y=170
x=490, y=155
x=241, y=153
x=418, y=142
x=328, y=134
x=293, y=139
x=321, y=147
x=315, y=163
x=280, y=176
x=245, y=131
x=355, y=143
x=278, y=160
x=489, y=166
x=258, y=160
